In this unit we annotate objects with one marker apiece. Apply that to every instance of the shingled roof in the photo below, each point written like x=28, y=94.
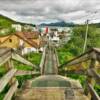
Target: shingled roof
x=31, y=35
x=28, y=37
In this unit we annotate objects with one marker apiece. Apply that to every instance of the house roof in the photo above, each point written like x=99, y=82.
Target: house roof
x=31, y=35
x=27, y=38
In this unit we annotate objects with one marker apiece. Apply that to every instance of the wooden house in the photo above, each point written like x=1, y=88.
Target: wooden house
x=26, y=41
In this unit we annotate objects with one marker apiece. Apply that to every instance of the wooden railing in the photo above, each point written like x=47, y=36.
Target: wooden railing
x=7, y=56
x=43, y=59
x=91, y=72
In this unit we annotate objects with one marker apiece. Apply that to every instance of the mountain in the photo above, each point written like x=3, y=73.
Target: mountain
x=6, y=22
x=59, y=24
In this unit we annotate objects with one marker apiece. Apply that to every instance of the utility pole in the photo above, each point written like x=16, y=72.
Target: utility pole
x=86, y=34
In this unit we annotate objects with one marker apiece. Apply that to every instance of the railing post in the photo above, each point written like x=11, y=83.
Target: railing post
x=90, y=79
x=9, y=65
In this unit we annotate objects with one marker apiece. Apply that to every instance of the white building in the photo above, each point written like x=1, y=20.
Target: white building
x=17, y=27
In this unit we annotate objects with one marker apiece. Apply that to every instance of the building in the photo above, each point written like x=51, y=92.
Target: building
x=24, y=41
x=17, y=27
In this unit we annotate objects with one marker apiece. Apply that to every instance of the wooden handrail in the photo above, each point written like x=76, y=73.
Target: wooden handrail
x=93, y=55
x=6, y=78
x=43, y=59
x=93, y=73
x=93, y=92
x=8, y=55
x=22, y=60
x=78, y=72
x=4, y=58
x=22, y=72
x=11, y=91
x=76, y=60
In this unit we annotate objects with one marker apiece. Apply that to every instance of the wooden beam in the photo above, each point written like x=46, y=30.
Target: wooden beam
x=97, y=49
x=6, y=78
x=93, y=93
x=11, y=91
x=77, y=60
x=5, y=57
x=22, y=60
x=4, y=51
x=93, y=73
x=43, y=59
x=21, y=72
x=79, y=72
x=57, y=58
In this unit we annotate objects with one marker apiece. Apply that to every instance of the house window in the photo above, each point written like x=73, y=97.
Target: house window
x=10, y=40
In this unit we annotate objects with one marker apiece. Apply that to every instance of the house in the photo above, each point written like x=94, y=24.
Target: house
x=24, y=41
x=29, y=28
x=17, y=27
x=30, y=41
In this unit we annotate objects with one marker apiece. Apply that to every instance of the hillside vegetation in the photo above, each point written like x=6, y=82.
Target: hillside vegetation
x=5, y=22
x=74, y=48
x=6, y=25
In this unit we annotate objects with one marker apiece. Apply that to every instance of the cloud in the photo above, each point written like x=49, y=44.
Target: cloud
x=37, y=11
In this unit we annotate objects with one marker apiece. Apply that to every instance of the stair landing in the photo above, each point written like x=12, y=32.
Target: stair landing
x=74, y=92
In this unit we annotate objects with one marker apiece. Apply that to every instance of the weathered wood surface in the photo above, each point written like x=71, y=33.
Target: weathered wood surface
x=94, y=53
x=57, y=58
x=73, y=92
x=22, y=60
x=6, y=78
x=94, y=74
x=97, y=49
x=43, y=60
x=79, y=72
x=11, y=91
x=55, y=61
x=20, y=73
x=4, y=51
x=93, y=93
x=5, y=57
x=76, y=60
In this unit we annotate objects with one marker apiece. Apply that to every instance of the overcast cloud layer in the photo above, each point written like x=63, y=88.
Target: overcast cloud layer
x=38, y=11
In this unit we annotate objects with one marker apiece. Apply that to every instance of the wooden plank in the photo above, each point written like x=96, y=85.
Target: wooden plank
x=79, y=72
x=57, y=58
x=4, y=51
x=43, y=59
x=93, y=93
x=93, y=73
x=4, y=58
x=55, y=61
x=22, y=60
x=84, y=57
x=77, y=60
x=19, y=73
x=11, y=91
x=97, y=49
x=6, y=78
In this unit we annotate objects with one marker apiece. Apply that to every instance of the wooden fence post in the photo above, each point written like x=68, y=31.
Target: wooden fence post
x=90, y=79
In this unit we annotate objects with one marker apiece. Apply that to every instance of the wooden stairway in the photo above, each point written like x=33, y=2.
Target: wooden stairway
x=74, y=92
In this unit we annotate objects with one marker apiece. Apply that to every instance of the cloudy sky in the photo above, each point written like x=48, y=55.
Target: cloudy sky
x=38, y=11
